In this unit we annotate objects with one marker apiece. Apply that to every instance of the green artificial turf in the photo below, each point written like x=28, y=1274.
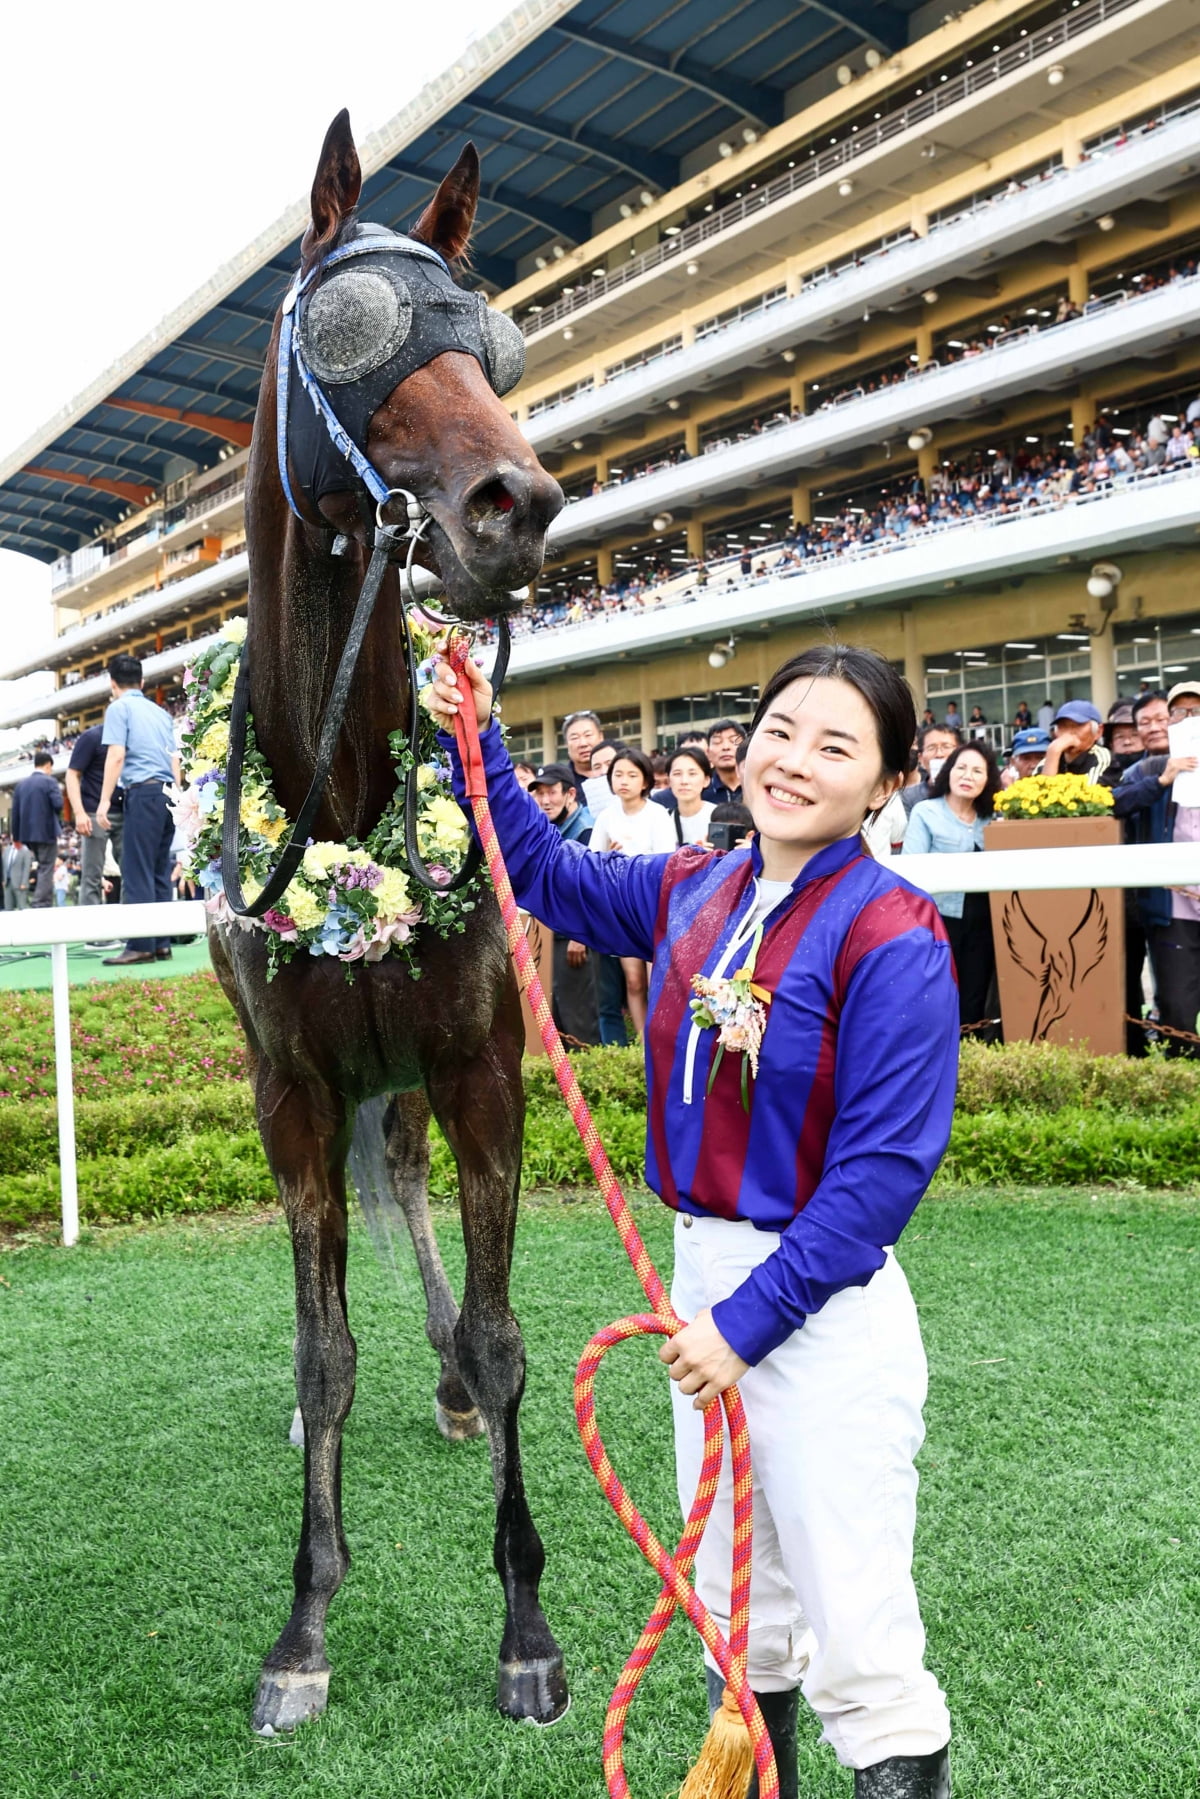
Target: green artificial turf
x=149, y=1502
x=22, y=970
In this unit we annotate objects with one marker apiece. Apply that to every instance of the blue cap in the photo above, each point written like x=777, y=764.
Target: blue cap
x=1034, y=742
x=1080, y=712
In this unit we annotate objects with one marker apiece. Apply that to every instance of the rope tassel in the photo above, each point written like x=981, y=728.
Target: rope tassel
x=737, y=1738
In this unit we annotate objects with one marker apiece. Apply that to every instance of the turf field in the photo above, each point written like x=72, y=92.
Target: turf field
x=149, y=1501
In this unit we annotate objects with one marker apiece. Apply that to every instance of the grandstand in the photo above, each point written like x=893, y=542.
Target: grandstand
x=864, y=315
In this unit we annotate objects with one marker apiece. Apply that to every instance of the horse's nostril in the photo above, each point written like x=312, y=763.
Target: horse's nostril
x=496, y=497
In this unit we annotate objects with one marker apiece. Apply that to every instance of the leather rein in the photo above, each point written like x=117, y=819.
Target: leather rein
x=387, y=543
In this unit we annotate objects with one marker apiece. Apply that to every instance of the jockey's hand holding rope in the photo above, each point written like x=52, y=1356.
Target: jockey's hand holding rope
x=698, y=1357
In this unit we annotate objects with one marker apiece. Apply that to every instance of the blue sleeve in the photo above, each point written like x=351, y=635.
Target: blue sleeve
x=1138, y=790
x=895, y=1074
x=116, y=725
x=607, y=901
x=918, y=839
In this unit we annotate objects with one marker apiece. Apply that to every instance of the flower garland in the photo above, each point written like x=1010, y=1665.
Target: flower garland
x=1054, y=796
x=349, y=900
x=736, y=1007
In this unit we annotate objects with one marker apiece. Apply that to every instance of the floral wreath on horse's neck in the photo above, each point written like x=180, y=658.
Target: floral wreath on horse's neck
x=351, y=900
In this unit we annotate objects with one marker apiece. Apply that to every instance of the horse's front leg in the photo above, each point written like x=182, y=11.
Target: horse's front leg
x=407, y=1128
x=304, y=1134
x=480, y=1105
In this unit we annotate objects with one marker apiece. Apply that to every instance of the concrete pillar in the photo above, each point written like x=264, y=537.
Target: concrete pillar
x=1078, y=286
x=695, y=538
x=604, y=567
x=927, y=461
x=649, y=725
x=795, y=281
x=802, y=505
x=796, y=397
x=691, y=436
x=1082, y=417
x=1104, y=671
x=1072, y=148
x=914, y=662
x=598, y=375
x=549, y=737
x=687, y=332
x=919, y=221
x=924, y=344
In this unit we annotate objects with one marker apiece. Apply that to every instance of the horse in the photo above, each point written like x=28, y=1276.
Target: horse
x=324, y=1049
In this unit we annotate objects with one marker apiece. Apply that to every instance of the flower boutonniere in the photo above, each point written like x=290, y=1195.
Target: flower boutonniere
x=736, y=1007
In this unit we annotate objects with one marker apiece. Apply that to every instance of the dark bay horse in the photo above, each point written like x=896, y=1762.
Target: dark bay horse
x=450, y=1042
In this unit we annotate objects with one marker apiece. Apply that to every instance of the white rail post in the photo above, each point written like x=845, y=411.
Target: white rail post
x=65, y=1078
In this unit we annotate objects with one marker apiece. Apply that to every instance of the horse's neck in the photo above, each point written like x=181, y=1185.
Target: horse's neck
x=302, y=605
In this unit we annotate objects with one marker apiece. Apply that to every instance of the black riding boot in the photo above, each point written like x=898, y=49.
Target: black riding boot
x=780, y=1713
x=906, y=1777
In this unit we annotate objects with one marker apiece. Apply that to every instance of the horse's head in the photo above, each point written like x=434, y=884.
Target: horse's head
x=413, y=366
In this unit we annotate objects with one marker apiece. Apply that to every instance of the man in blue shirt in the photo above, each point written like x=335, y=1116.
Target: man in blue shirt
x=141, y=755
x=36, y=821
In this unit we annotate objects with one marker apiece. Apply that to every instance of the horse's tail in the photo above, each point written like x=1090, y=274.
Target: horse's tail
x=366, y=1165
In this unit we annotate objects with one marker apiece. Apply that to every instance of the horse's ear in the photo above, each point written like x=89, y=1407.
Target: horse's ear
x=445, y=225
x=335, y=189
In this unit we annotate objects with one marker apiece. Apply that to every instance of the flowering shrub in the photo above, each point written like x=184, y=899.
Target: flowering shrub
x=350, y=900
x=1054, y=796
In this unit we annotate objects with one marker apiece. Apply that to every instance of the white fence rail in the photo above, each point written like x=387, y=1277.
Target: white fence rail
x=996, y=871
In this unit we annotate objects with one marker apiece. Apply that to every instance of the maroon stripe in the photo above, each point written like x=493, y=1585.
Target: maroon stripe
x=818, y=1115
x=686, y=956
x=891, y=915
x=725, y=1142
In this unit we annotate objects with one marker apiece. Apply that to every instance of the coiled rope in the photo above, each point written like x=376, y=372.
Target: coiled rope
x=673, y=1570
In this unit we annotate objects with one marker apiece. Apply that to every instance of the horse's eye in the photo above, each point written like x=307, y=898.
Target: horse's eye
x=354, y=322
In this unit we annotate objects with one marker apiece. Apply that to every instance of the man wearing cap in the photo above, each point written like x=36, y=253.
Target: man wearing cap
x=573, y=990
x=1025, y=754
x=1171, y=916
x=1075, y=747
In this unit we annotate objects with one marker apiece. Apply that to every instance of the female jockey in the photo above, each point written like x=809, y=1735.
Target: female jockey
x=793, y=1136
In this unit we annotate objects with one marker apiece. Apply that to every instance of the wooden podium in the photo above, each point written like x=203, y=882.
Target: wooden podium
x=541, y=943
x=1060, y=957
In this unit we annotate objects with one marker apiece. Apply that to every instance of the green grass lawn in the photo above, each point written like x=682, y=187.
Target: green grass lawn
x=149, y=1504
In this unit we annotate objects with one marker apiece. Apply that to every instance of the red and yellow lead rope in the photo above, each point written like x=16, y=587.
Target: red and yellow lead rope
x=674, y=1569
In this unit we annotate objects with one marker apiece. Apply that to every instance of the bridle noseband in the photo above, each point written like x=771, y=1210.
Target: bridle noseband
x=363, y=373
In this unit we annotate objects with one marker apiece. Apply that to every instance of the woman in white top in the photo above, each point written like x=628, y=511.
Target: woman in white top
x=688, y=773
x=634, y=827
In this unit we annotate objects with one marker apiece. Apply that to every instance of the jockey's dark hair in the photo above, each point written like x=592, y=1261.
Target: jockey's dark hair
x=985, y=804
x=872, y=676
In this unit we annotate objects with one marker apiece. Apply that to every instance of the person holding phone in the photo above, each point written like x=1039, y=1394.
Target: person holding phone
x=793, y=1143
x=688, y=773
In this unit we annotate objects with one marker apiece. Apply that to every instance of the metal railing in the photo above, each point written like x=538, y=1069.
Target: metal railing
x=996, y=871
x=918, y=111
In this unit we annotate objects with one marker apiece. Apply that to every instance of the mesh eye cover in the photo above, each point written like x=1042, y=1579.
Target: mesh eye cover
x=355, y=321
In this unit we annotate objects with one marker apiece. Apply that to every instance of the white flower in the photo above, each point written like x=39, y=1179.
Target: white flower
x=234, y=630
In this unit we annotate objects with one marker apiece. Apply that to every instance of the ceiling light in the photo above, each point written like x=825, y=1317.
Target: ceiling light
x=721, y=653
x=646, y=197
x=845, y=74
x=672, y=405
x=693, y=268
x=1056, y=74
x=921, y=438
x=539, y=262
x=724, y=148
x=873, y=58
x=1104, y=580
x=626, y=210
x=845, y=187
x=662, y=521
x=1106, y=221
x=568, y=332
x=749, y=134
x=1020, y=646
x=596, y=274
x=930, y=296
x=577, y=443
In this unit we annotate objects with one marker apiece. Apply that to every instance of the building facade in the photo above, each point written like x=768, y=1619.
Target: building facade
x=906, y=350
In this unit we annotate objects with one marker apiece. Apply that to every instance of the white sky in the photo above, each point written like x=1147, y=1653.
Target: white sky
x=154, y=145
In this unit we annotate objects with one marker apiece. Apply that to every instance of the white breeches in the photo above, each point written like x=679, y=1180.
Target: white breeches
x=835, y=1421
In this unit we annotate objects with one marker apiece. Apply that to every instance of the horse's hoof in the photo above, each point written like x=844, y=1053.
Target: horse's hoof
x=296, y=1434
x=534, y=1691
x=286, y=1699
x=458, y=1427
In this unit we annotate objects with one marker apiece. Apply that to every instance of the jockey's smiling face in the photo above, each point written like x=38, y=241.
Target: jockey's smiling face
x=814, y=769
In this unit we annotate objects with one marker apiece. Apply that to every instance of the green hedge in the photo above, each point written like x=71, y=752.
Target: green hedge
x=1028, y=1115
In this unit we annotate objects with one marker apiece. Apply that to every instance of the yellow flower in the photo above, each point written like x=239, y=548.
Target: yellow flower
x=304, y=910
x=426, y=777
x=234, y=630
x=226, y=686
x=445, y=823
x=215, y=742
x=392, y=896
x=319, y=858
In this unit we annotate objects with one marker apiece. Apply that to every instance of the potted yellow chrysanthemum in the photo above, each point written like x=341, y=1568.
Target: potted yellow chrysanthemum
x=1060, y=957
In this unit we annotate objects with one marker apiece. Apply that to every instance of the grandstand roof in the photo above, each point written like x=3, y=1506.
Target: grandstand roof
x=571, y=103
